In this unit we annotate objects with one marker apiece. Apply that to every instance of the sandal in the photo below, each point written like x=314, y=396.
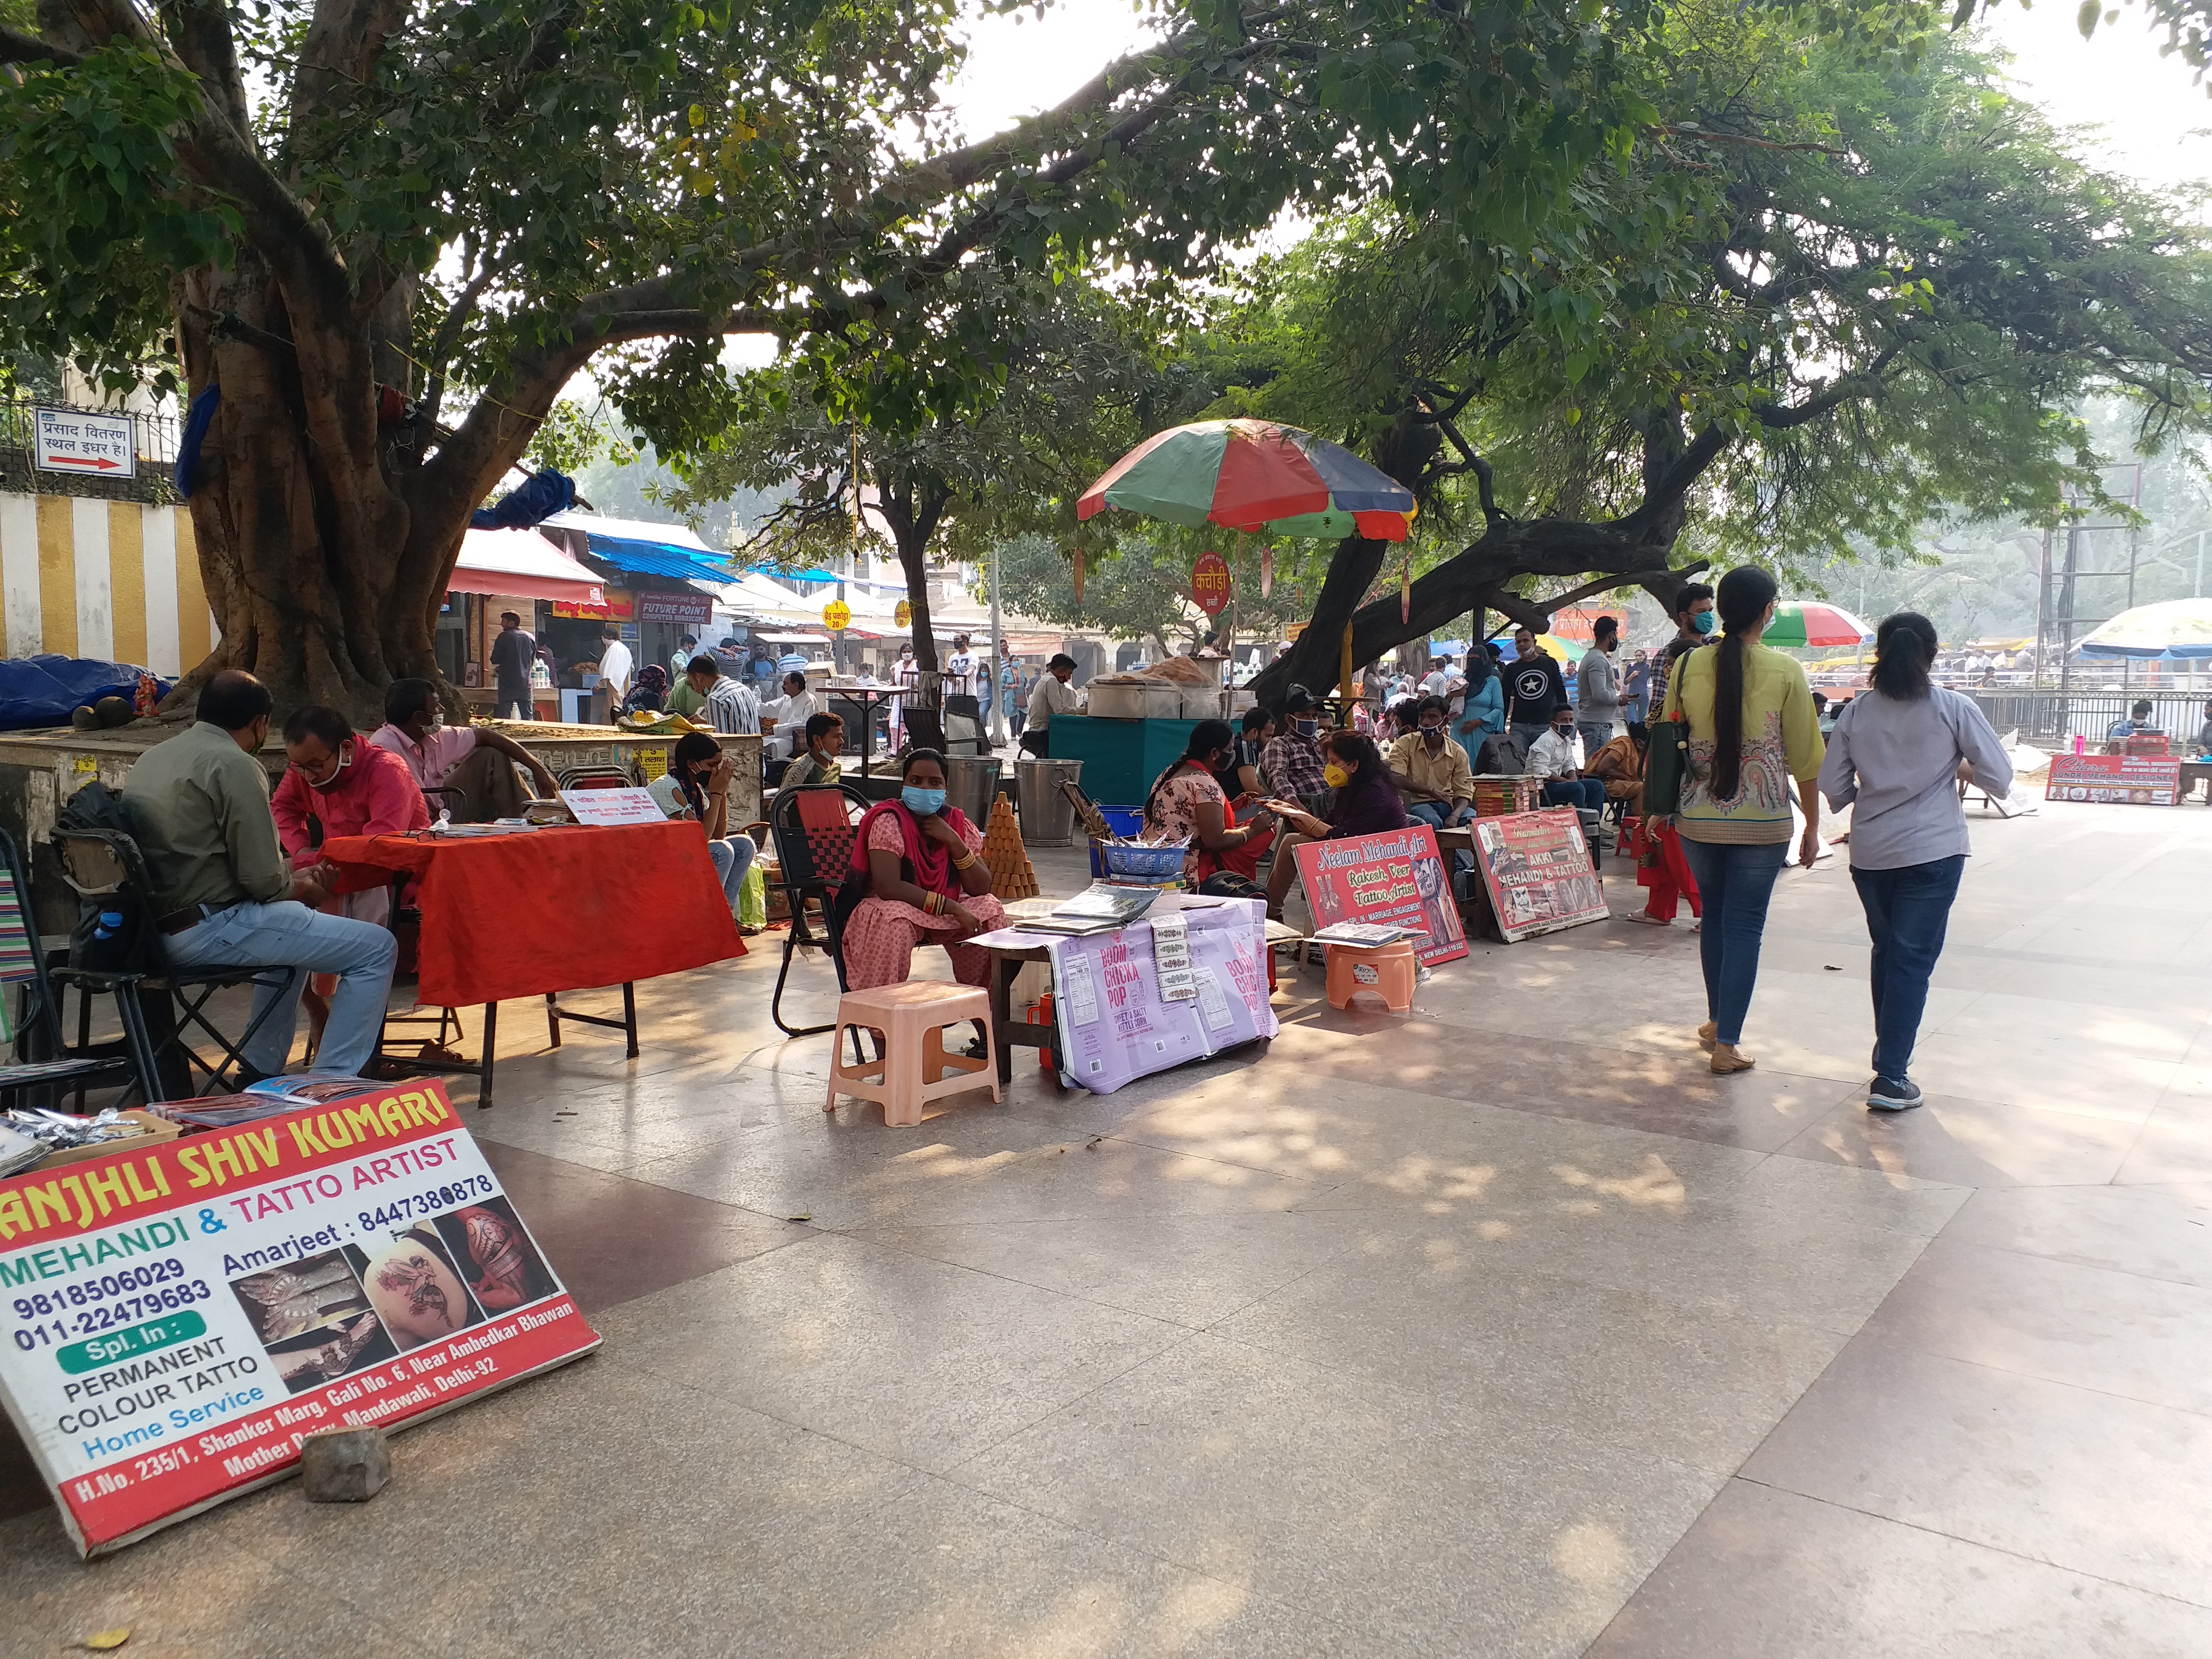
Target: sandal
x=1649, y=919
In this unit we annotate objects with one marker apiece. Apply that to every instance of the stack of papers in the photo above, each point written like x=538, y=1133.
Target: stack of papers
x=1365, y=933
x=1098, y=908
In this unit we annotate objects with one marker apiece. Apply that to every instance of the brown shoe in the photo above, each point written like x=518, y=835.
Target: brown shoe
x=1728, y=1059
x=1708, y=1035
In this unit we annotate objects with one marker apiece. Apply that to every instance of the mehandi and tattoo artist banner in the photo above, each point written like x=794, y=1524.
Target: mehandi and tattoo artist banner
x=1396, y=877
x=179, y=1318
x=1536, y=868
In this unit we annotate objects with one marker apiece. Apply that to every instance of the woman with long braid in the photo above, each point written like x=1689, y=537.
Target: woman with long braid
x=1752, y=731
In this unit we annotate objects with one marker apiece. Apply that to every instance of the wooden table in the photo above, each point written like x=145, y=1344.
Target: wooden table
x=1008, y=961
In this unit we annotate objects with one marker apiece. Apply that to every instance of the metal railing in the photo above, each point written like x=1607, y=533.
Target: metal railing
x=154, y=436
x=2043, y=716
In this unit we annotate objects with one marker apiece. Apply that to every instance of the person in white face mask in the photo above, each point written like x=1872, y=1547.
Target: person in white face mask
x=474, y=760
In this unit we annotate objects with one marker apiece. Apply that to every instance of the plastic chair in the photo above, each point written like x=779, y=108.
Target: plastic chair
x=1384, y=970
x=913, y=1069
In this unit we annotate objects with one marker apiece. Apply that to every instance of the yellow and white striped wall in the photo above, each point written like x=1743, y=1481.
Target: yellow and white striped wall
x=112, y=580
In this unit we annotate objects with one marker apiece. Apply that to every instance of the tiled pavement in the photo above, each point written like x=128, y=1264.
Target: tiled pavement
x=1500, y=1329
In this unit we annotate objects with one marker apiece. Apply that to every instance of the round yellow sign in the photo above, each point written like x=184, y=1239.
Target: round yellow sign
x=902, y=613
x=836, y=614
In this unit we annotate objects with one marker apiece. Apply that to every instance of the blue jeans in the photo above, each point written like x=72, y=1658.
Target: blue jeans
x=1907, y=910
x=289, y=934
x=1575, y=792
x=1735, y=882
x=1439, y=815
x=732, y=856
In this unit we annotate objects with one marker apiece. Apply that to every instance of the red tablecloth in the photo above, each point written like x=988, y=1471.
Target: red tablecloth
x=508, y=916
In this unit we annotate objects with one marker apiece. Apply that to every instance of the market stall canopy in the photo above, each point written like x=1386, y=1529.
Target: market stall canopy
x=1814, y=622
x=524, y=564
x=2171, y=628
x=1254, y=475
x=642, y=548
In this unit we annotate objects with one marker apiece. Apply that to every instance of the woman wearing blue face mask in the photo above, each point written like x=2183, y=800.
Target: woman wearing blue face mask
x=917, y=877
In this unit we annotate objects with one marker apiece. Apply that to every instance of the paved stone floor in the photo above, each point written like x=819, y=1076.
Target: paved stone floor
x=1499, y=1329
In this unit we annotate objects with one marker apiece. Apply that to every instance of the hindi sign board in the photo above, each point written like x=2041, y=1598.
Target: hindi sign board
x=1116, y=1025
x=836, y=616
x=1396, y=877
x=70, y=441
x=612, y=808
x=180, y=1317
x=1209, y=584
x=1536, y=868
x=2124, y=780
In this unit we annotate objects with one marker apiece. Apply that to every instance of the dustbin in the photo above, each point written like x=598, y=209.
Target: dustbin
x=1048, y=815
x=970, y=783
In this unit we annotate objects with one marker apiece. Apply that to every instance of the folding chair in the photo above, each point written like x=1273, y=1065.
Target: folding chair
x=446, y=796
x=813, y=827
x=35, y=1027
x=98, y=864
x=595, y=777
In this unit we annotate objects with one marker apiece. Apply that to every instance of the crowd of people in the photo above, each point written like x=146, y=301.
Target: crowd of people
x=240, y=880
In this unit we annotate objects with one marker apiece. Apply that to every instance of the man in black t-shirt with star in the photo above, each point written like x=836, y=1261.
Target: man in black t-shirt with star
x=1534, y=688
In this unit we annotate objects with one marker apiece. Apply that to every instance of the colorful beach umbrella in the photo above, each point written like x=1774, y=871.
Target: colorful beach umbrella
x=1814, y=622
x=1254, y=475
x=2171, y=628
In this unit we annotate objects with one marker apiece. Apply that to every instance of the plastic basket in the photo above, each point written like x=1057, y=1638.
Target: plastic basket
x=1126, y=821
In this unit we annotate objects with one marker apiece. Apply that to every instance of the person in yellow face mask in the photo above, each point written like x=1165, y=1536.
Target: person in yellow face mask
x=1362, y=802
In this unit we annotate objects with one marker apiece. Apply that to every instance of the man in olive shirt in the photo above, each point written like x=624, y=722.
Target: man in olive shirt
x=198, y=807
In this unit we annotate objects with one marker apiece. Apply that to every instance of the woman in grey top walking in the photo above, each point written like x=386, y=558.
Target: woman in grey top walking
x=1896, y=753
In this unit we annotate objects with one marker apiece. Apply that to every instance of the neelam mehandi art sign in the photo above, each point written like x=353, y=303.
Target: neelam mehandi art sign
x=179, y=1318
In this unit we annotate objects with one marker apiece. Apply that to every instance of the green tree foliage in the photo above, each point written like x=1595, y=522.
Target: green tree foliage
x=1887, y=286
x=466, y=201
x=1140, y=589
x=1084, y=380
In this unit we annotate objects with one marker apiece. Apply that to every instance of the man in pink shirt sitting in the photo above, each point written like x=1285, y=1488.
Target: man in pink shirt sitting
x=479, y=763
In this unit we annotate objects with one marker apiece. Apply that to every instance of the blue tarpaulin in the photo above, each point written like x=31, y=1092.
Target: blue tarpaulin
x=657, y=559
x=532, y=502
x=45, y=690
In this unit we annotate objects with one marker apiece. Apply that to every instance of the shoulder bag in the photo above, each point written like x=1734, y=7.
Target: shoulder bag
x=1668, y=761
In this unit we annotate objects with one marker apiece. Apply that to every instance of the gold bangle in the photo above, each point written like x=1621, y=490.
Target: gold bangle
x=967, y=863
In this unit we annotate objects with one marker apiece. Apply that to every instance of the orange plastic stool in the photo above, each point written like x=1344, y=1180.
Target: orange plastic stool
x=1383, y=970
x=909, y=1020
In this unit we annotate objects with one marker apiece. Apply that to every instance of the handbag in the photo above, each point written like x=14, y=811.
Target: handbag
x=1667, y=763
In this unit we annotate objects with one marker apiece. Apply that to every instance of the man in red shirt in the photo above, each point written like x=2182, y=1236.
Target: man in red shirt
x=338, y=784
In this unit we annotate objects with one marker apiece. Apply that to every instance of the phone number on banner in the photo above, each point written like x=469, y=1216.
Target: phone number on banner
x=85, y=1309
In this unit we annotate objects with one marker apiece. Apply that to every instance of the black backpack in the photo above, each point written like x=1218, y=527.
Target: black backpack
x=114, y=934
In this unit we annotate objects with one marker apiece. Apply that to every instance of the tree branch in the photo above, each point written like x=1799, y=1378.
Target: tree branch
x=19, y=48
x=342, y=45
x=200, y=32
x=1485, y=480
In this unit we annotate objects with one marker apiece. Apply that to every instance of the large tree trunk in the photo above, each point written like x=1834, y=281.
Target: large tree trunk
x=324, y=545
